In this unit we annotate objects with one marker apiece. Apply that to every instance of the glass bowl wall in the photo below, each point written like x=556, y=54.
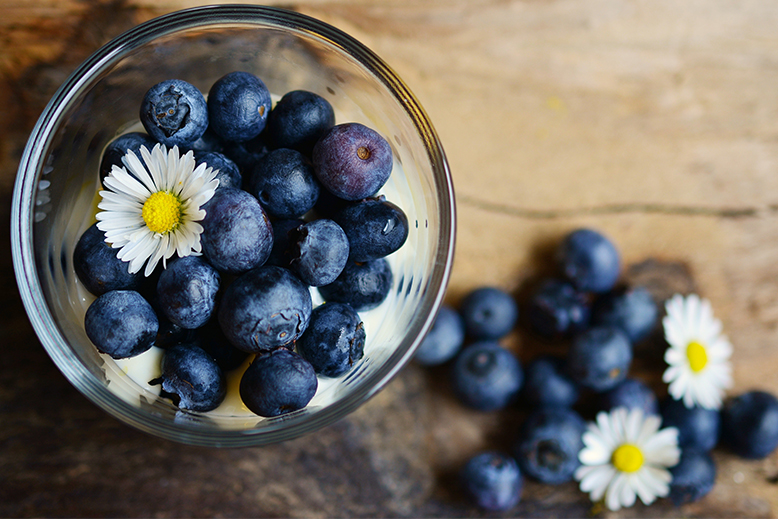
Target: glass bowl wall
x=55, y=199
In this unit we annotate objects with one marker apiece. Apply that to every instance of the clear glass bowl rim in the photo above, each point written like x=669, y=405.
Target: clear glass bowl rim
x=29, y=173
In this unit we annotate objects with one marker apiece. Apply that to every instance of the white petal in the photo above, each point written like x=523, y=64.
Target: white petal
x=643, y=490
x=596, y=451
x=613, y=494
x=597, y=481
x=627, y=495
x=633, y=425
x=658, y=479
x=137, y=168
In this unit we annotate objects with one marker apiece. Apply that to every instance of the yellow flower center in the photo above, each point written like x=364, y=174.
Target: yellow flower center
x=698, y=357
x=627, y=458
x=162, y=212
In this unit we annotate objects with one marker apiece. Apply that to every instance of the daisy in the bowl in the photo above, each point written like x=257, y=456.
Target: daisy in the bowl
x=698, y=369
x=626, y=456
x=150, y=209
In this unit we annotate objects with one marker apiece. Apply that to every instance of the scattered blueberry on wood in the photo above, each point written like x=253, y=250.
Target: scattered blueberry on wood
x=493, y=481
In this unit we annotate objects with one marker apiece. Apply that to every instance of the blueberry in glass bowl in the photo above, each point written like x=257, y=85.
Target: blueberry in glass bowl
x=100, y=101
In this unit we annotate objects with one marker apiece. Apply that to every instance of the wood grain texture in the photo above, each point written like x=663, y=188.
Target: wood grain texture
x=655, y=121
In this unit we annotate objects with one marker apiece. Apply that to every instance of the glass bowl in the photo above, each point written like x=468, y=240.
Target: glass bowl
x=55, y=195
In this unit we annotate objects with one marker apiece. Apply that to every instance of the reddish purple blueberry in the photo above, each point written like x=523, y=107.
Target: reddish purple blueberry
x=352, y=161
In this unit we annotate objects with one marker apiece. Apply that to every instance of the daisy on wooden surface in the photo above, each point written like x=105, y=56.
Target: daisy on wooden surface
x=698, y=369
x=626, y=456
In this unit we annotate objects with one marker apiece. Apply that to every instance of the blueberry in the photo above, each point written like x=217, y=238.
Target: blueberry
x=631, y=309
x=488, y=313
x=280, y=254
x=599, y=358
x=186, y=291
x=693, y=477
x=493, y=481
x=630, y=393
x=121, y=323
x=284, y=183
x=228, y=172
x=334, y=339
x=375, y=228
x=265, y=308
x=238, y=106
x=547, y=385
x=549, y=443
x=299, y=119
x=97, y=266
x=193, y=376
x=362, y=285
x=119, y=147
x=278, y=382
x=174, y=113
x=237, y=234
x=352, y=161
x=557, y=309
x=698, y=428
x=750, y=424
x=486, y=376
x=444, y=339
x=589, y=260
x=318, y=251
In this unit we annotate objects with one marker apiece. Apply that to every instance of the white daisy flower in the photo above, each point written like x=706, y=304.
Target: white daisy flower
x=698, y=357
x=151, y=211
x=625, y=456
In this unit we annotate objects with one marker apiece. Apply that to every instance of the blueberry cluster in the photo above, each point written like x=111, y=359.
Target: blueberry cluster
x=599, y=321
x=297, y=207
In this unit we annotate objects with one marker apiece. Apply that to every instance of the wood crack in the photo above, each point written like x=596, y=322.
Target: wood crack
x=620, y=208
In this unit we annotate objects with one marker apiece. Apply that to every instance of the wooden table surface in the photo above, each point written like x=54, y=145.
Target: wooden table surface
x=654, y=121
